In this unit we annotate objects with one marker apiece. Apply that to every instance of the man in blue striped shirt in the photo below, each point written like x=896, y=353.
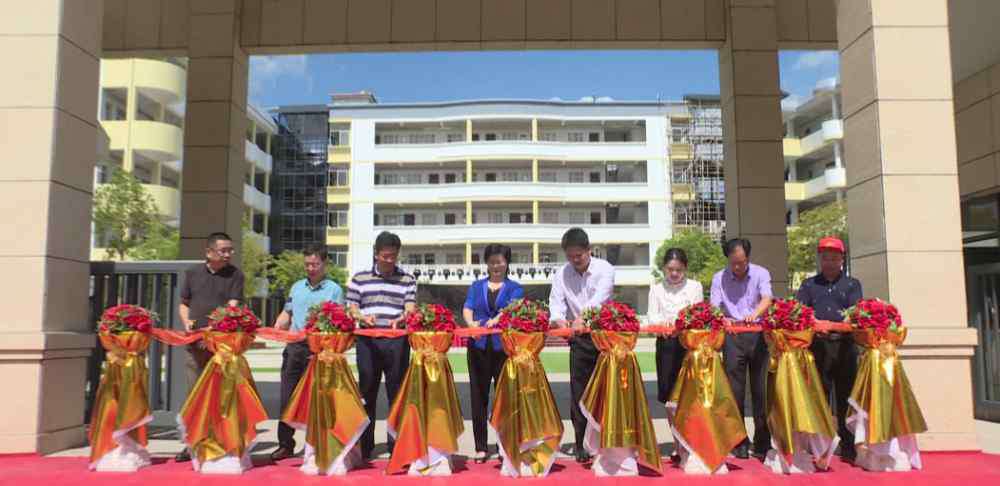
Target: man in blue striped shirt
x=382, y=294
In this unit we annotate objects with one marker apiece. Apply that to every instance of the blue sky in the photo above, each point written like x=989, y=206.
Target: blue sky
x=569, y=75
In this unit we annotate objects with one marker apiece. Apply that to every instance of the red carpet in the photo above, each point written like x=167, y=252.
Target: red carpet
x=970, y=469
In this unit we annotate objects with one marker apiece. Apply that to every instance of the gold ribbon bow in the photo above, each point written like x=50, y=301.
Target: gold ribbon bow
x=882, y=389
x=121, y=403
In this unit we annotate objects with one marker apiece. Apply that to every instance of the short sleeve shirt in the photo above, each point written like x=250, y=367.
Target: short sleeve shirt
x=304, y=296
x=204, y=290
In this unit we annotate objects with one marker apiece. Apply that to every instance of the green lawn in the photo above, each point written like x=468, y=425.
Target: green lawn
x=553, y=362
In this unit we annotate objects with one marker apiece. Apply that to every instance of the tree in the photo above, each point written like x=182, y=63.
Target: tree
x=289, y=267
x=160, y=242
x=826, y=220
x=254, y=262
x=703, y=251
x=123, y=213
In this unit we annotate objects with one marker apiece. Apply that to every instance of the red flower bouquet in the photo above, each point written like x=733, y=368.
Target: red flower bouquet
x=611, y=316
x=233, y=319
x=430, y=318
x=875, y=314
x=125, y=318
x=789, y=315
x=330, y=317
x=524, y=316
x=700, y=316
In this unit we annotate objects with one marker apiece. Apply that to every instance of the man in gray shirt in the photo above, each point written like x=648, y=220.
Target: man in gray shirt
x=584, y=282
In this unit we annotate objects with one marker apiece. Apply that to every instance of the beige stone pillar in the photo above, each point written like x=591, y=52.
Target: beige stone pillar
x=903, y=201
x=48, y=115
x=214, y=126
x=752, y=131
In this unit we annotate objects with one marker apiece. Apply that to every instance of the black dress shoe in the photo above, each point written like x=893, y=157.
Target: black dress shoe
x=742, y=451
x=759, y=454
x=183, y=456
x=282, y=453
x=848, y=454
x=582, y=456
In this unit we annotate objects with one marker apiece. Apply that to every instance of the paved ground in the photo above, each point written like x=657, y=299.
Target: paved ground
x=164, y=442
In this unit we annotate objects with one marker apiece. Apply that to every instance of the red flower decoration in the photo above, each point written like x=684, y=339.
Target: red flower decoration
x=788, y=314
x=875, y=314
x=330, y=317
x=126, y=317
x=700, y=316
x=430, y=317
x=233, y=319
x=524, y=316
x=611, y=316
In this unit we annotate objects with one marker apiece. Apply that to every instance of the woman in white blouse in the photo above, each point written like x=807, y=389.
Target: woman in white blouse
x=666, y=299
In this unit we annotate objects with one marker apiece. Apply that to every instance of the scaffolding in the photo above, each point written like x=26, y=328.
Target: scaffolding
x=697, y=166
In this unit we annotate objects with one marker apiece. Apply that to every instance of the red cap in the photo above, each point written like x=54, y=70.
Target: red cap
x=831, y=243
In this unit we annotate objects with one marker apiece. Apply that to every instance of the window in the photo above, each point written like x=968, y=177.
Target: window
x=490, y=137
x=454, y=258
x=577, y=217
x=388, y=138
x=576, y=176
x=515, y=218
x=475, y=137
x=450, y=178
x=494, y=217
x=449, y=218
x=455, y=137
x=429, y=259
x=428, y=219
x=338, y=258
x=575, y=136
x=420, y=138
x=510, y=176
x=337, y=219
x=546, y=257
x=414, y=259
x=433, y=178
x=547, y=136
x=595, y=177
x=550, y=217
x=337, y=177
x=340, y=138
x=491, y=177
x=390, y=178
x=475, y=259
x=409, y=219
x=595, y=217
x=594, y=137
x=513, y=136
x=390, y=220
x=547, y=176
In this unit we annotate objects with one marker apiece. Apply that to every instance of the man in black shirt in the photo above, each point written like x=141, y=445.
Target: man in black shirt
x=206, y=286
x=830, y=293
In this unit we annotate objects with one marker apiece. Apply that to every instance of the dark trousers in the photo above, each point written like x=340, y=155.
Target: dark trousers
x=195, y=361
x=669, y=357
x=837, y=363
x=484, y=370
x=294, y=361
x=740, y=353
x=378, y=356
x=582, y=360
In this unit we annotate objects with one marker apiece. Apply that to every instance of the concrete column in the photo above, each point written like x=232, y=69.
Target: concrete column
x=468, y=212
x=534, y=129
x=903, y=199
x=753, y=131
x=534, y=253
x=215, y=126
x=534, y=170
x=468, y=171
x=534, y=212
x=468, y=253
x=49, y=119
x=468, y=130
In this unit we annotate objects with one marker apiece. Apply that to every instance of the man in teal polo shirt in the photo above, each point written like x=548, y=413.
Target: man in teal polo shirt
x=304, y=294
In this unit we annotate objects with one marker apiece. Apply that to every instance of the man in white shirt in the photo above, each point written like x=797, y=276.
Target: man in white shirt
x=584, y=282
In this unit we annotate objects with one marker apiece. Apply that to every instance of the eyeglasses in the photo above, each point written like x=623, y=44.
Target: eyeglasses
x=225, y=251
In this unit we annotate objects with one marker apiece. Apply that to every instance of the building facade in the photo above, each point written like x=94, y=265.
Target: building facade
x=813, y=149
x=141, y=112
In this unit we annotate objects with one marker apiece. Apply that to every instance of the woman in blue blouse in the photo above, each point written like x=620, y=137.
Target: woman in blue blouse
x=483, y=303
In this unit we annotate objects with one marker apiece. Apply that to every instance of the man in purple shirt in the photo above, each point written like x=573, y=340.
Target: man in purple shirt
x=743, y=292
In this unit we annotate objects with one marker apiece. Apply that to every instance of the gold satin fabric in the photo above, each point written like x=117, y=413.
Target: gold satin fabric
x=707, y=416
x=882, y=389
x=796, y=401
x=524, y=410
x=426, y=411
x=121, y=403
x=326, y=400
x=615, y=398
x=222, y=411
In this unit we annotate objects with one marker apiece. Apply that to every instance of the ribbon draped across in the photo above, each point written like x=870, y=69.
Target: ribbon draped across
x=121, y=405
x=615, y=400
x=220, y=414
x=705, y=415
x=525, y=416
x=326, y=403
x=882, y=390
x=796, y=402
x=426, y=413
